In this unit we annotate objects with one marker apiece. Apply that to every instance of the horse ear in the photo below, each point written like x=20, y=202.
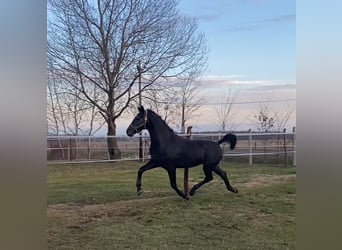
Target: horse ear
x=141, y=109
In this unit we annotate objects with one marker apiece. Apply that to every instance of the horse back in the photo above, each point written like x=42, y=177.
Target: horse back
x=197, y=152
x=182, y=153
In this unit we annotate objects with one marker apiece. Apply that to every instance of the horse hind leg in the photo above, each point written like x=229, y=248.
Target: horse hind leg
x=208, y=177
x=224, y=176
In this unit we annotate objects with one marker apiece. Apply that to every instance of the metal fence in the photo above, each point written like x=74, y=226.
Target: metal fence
x=252, y=148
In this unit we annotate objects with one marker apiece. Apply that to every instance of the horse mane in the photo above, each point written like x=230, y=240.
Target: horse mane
x=163, y=121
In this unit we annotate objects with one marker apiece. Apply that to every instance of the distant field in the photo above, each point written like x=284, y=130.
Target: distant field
x=94, y=206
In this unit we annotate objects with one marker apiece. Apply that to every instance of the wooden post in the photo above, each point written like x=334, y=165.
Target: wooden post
x=76, y=148
x=69, y=152
x=250, y=147
x=285, y=149
x=72, y=148
x=140, y=103
x=294, y=146
x=89, y=152
x=186, y=170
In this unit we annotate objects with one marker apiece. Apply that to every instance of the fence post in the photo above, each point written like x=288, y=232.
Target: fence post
x=145, y=147
x=69, y=151
x=62, y=147
x=88, y=149
x=294, y=146
x=285, y=148
x=76, y=148
x=186, y=170
x=108, y=156
x=250, y=144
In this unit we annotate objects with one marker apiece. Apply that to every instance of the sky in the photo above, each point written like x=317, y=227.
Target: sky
x=252, y=46
x=254, y=39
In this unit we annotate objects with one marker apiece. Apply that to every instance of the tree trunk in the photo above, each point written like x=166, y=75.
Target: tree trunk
x=183, y=119
x=113, y=149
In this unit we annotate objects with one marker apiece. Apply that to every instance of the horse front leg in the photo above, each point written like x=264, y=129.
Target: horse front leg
x=149, y=165
x=173, y=182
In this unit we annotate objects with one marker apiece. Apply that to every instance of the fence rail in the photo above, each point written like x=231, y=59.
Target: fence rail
x=251, y=147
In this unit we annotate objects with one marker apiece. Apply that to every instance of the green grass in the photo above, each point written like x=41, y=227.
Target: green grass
x=94, y=206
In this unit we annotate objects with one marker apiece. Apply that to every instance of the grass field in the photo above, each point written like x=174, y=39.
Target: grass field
x=94, y=206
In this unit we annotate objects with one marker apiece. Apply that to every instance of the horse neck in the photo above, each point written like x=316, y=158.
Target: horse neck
x=159, y=131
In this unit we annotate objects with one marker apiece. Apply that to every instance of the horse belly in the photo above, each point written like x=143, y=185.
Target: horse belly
x=191, y=158
x=189, y=164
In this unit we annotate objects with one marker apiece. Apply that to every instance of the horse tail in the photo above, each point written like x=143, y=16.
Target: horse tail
x=231, y=138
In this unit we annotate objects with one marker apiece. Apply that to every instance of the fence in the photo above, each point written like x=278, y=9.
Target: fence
x=252, y=147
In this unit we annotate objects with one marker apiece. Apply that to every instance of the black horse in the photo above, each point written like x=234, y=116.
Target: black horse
x=171, y=151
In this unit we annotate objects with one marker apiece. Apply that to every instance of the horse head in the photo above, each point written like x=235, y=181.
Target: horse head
x=138, y=123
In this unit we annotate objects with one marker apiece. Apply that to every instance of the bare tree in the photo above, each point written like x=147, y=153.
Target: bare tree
x=55, y=119
x=263, y=116
x=165, y=103
x=100, y=43
x=270, y=117
x=190, y=99
x=283, y=115
x=178, y=103
x=264, y=119
x=67, y=114
x=224, y=110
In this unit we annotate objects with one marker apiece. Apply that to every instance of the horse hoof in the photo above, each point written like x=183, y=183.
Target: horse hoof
x=139, y=192
x=235, y=190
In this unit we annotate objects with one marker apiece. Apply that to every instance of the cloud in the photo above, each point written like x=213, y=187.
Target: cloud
x=280, y=88
x=259, y=24
x=281, y=18
x=208, y=17
x=225, y=77
x=243, y=81
x=208, y=11
x=241, y=28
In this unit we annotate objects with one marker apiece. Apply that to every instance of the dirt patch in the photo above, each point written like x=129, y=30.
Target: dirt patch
x=267, y=180
x=72, y=216
x=75, y=215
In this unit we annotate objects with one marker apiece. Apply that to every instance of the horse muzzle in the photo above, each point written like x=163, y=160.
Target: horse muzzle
x=130, y=132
